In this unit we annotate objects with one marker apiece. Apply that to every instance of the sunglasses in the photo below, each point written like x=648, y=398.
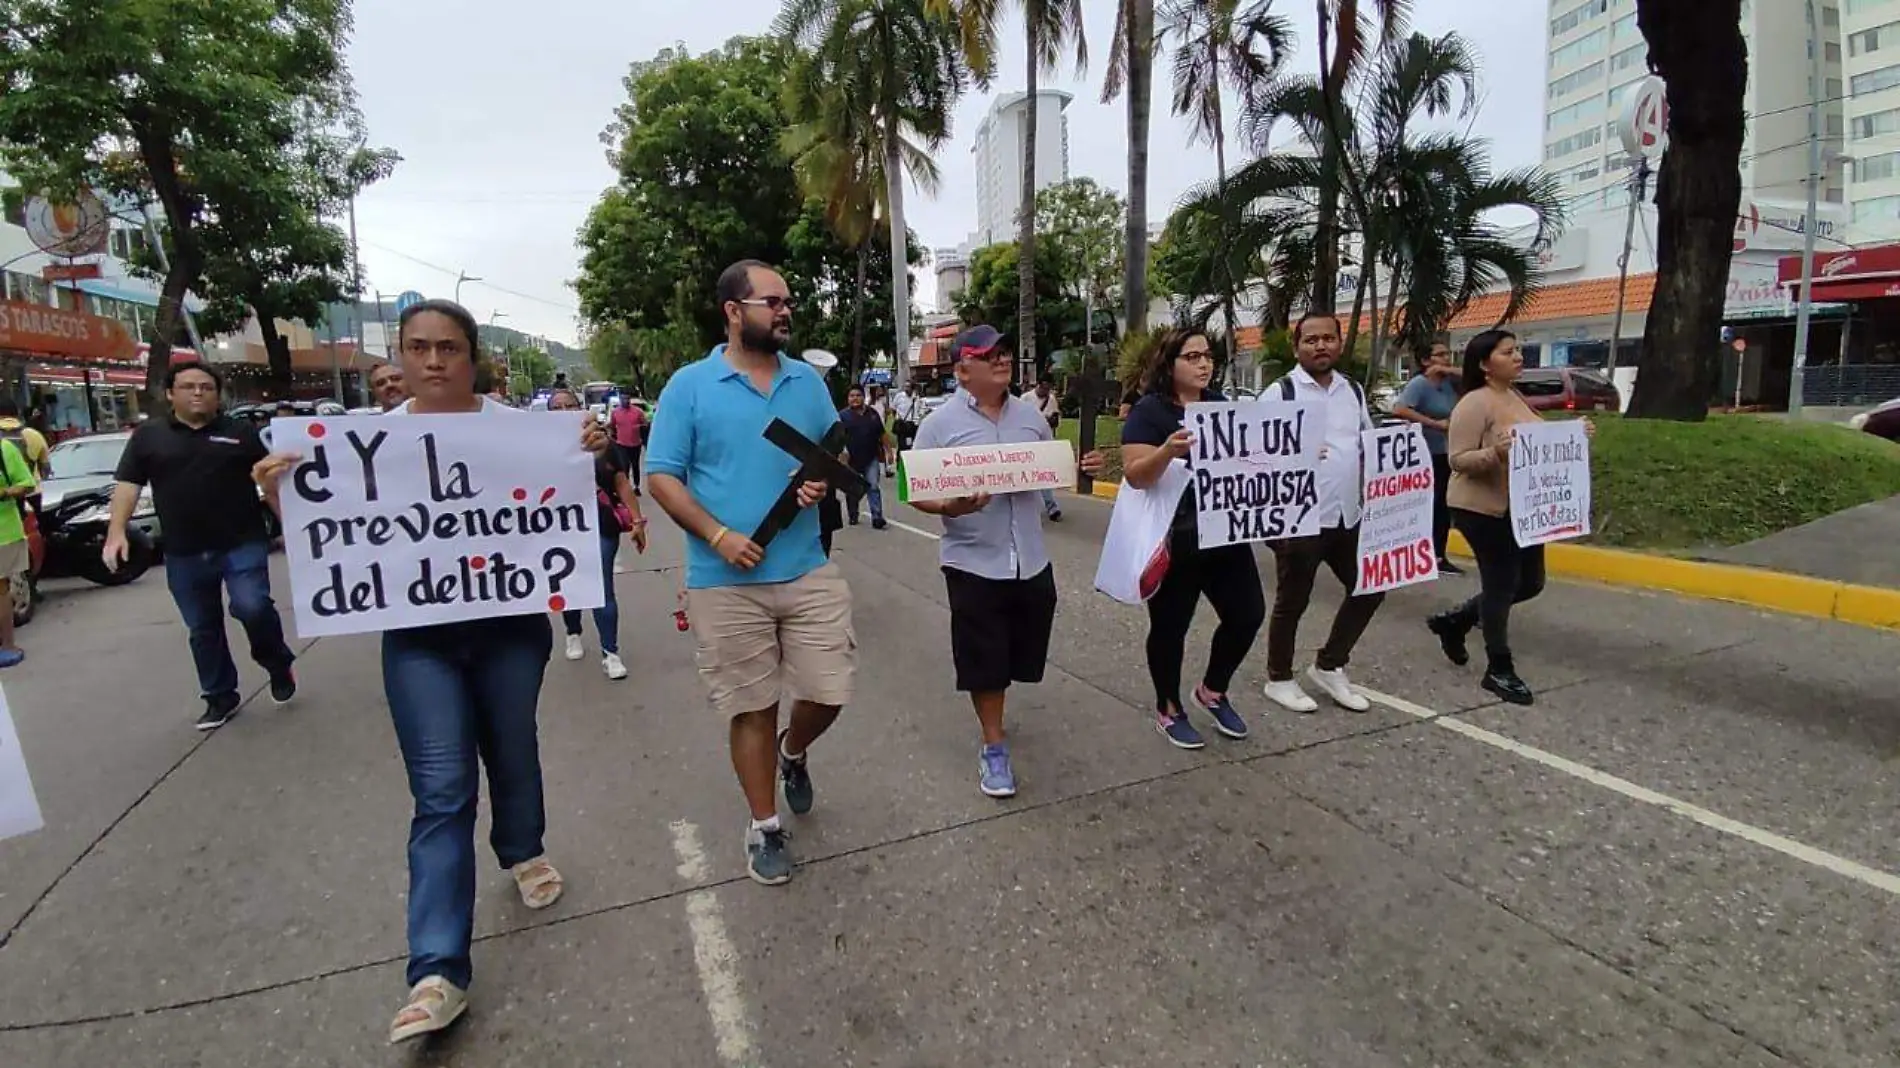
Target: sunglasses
x=994, y=354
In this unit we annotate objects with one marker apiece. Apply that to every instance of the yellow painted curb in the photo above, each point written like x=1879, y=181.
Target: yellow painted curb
x=1757, y=587
x=1777, y=591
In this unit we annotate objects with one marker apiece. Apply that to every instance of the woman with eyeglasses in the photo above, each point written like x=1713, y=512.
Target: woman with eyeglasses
x=619, y=514
x=464, y=698
x=1153, y=438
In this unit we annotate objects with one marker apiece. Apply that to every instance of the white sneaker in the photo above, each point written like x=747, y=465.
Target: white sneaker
x=574, y=650
x=1339, y=688
x=613, y=666
x=1288, y=695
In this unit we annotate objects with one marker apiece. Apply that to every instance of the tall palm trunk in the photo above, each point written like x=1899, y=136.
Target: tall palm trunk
x=1140, y=51
x=900, y=249
x=1332, y=153
x=1359, y=304
x=1232, y=324
x=1026, y=233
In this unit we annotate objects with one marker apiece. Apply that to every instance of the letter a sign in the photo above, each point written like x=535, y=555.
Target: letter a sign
x=1644, y=124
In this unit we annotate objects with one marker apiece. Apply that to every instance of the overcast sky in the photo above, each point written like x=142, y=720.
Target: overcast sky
x=497, y=107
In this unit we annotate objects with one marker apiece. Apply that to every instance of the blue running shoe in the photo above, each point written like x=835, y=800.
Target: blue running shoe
x=998, y=778
x=768, y=858
x=1176, y=728
x=1226, y=720
x=796, y=777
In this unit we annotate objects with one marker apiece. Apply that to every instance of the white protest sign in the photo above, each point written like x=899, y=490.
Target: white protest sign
x=1017, y=467
x=1256, y=469
x=1550, y=482
x=19, y=808
x=410, y=520
x=1395, y=531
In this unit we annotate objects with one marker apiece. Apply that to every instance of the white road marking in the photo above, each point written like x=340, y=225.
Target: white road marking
x=1807, y=854
x=919, y=531
x=713, y=952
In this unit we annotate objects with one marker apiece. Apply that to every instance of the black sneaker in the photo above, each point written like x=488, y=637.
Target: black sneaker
x=1508, y=687
x=854, y=521
x=218, y=711
x=1447, y=569
x=283, y=686
x=796, y=778
x=1451, y=637
x=878, y=524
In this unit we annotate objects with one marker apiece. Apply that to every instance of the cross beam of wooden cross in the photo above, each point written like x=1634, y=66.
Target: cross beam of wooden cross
x=817, y=462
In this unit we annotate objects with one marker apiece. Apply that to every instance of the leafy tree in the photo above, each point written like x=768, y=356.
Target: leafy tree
x=1131, y=63
x=880, y=82
x=991, y=297
x=1196, y=266
x=1081, y=226
x=1351, y=32
x=220, y=114
x=1705, y=63
x=837, y=309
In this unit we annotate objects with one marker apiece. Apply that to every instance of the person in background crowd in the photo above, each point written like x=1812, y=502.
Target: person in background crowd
x=996, y=569
x=877, y=400
x=772, y=621
x=1483, y=427
x=464, y=697
x=1152, y=439
x=385, y=384
x=30, y=439
x=866, y=443
x=1049, y=406
x=198, y=463
x=1297, y=560
x=619, y=514
x=630, y=433
x=1130, y=397
x=1428, y=400
x=284, y=410
x=17, y=485
x=906, y=412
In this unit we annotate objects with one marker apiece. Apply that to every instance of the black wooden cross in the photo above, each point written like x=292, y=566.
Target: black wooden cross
x=817, y=462
x=1090, y=389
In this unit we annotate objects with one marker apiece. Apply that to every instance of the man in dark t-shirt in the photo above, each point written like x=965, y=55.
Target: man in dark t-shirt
x=865, y=445
x=198, y=463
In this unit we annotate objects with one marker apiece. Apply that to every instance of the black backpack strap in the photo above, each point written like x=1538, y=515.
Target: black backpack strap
x=1286, y=388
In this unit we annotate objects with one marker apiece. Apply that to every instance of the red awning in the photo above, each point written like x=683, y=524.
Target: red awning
x=1846, y=275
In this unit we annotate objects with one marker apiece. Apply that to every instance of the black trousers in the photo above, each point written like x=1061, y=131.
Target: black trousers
x=1441, y=512
x=1296, y=564
x=1230, y=580
x=1507, y=575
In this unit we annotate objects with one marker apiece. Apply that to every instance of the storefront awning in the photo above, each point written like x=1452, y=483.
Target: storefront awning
x=115, y=289
x=1847, y=275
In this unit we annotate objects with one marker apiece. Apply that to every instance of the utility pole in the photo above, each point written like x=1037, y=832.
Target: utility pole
x=1804, y=311
x=356, y=303
x=1639, y=189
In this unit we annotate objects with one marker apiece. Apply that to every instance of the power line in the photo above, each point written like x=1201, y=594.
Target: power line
x=472, y=281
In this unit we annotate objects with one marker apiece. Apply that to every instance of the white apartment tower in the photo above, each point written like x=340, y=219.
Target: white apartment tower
x=1870, y=30
x=1596, y=55
x=999, y=159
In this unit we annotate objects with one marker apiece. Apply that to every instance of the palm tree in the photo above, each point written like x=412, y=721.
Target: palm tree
x=1350, y=32
x=1131, y=61
x=1052, y=28
x=1220, y=45
x=881, y=80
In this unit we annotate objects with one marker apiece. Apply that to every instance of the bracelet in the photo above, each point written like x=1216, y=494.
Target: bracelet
x=717, y=534
x=641, y=522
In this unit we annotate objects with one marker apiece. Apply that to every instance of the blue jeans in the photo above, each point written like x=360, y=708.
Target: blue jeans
x=875, y=496
x=607, y=616
x=1049, y=504
x=463, y=696
x=195, y=580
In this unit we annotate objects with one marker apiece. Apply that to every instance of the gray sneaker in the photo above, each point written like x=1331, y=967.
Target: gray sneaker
x=768, y=858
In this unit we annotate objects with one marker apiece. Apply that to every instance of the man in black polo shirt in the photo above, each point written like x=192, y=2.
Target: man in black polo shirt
x=865, y=443
x=198, y=463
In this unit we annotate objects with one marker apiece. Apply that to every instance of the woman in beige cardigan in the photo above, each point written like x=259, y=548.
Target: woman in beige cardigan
x=1479, y=446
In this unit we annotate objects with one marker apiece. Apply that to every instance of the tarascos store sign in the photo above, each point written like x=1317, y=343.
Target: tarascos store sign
x=38, y=330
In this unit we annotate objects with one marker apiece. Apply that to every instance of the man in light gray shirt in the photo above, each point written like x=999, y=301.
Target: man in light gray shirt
x=1001, y=585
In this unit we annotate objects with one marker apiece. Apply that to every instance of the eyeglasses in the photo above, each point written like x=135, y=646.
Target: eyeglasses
x=1198, y=356
x=195, y=387
x=776, y=304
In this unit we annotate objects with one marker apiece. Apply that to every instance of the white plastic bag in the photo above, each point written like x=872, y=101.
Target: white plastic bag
x=1138, y=536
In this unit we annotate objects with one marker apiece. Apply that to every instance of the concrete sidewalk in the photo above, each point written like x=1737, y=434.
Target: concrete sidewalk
x=1342, y=890
x=1857, y=545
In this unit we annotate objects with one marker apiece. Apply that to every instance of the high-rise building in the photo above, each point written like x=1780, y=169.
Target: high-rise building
x=998, y=155
x=1596, y=55
x=1870, y=34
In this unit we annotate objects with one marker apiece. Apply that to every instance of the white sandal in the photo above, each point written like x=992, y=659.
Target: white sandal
x=540, y=884
x=439, y=1001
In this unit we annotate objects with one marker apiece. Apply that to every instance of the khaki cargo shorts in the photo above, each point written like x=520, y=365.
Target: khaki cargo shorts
x=759, y=644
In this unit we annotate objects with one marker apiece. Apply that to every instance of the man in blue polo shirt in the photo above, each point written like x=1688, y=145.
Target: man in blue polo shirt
x=772, y=621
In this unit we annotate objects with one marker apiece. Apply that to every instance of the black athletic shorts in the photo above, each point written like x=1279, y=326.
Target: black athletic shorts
x=999, y=628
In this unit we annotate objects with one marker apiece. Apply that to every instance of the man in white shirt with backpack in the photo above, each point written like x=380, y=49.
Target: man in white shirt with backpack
x=1297, y=560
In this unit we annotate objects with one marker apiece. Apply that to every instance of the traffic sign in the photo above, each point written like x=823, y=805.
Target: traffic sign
x=406, y=299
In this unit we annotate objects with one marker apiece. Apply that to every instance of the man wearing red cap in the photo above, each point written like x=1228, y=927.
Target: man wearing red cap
x=1001, y=585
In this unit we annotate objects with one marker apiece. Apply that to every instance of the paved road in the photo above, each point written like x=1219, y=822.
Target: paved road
x=1681, y=857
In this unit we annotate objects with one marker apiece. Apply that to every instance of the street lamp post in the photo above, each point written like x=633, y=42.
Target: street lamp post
x=460, y=277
